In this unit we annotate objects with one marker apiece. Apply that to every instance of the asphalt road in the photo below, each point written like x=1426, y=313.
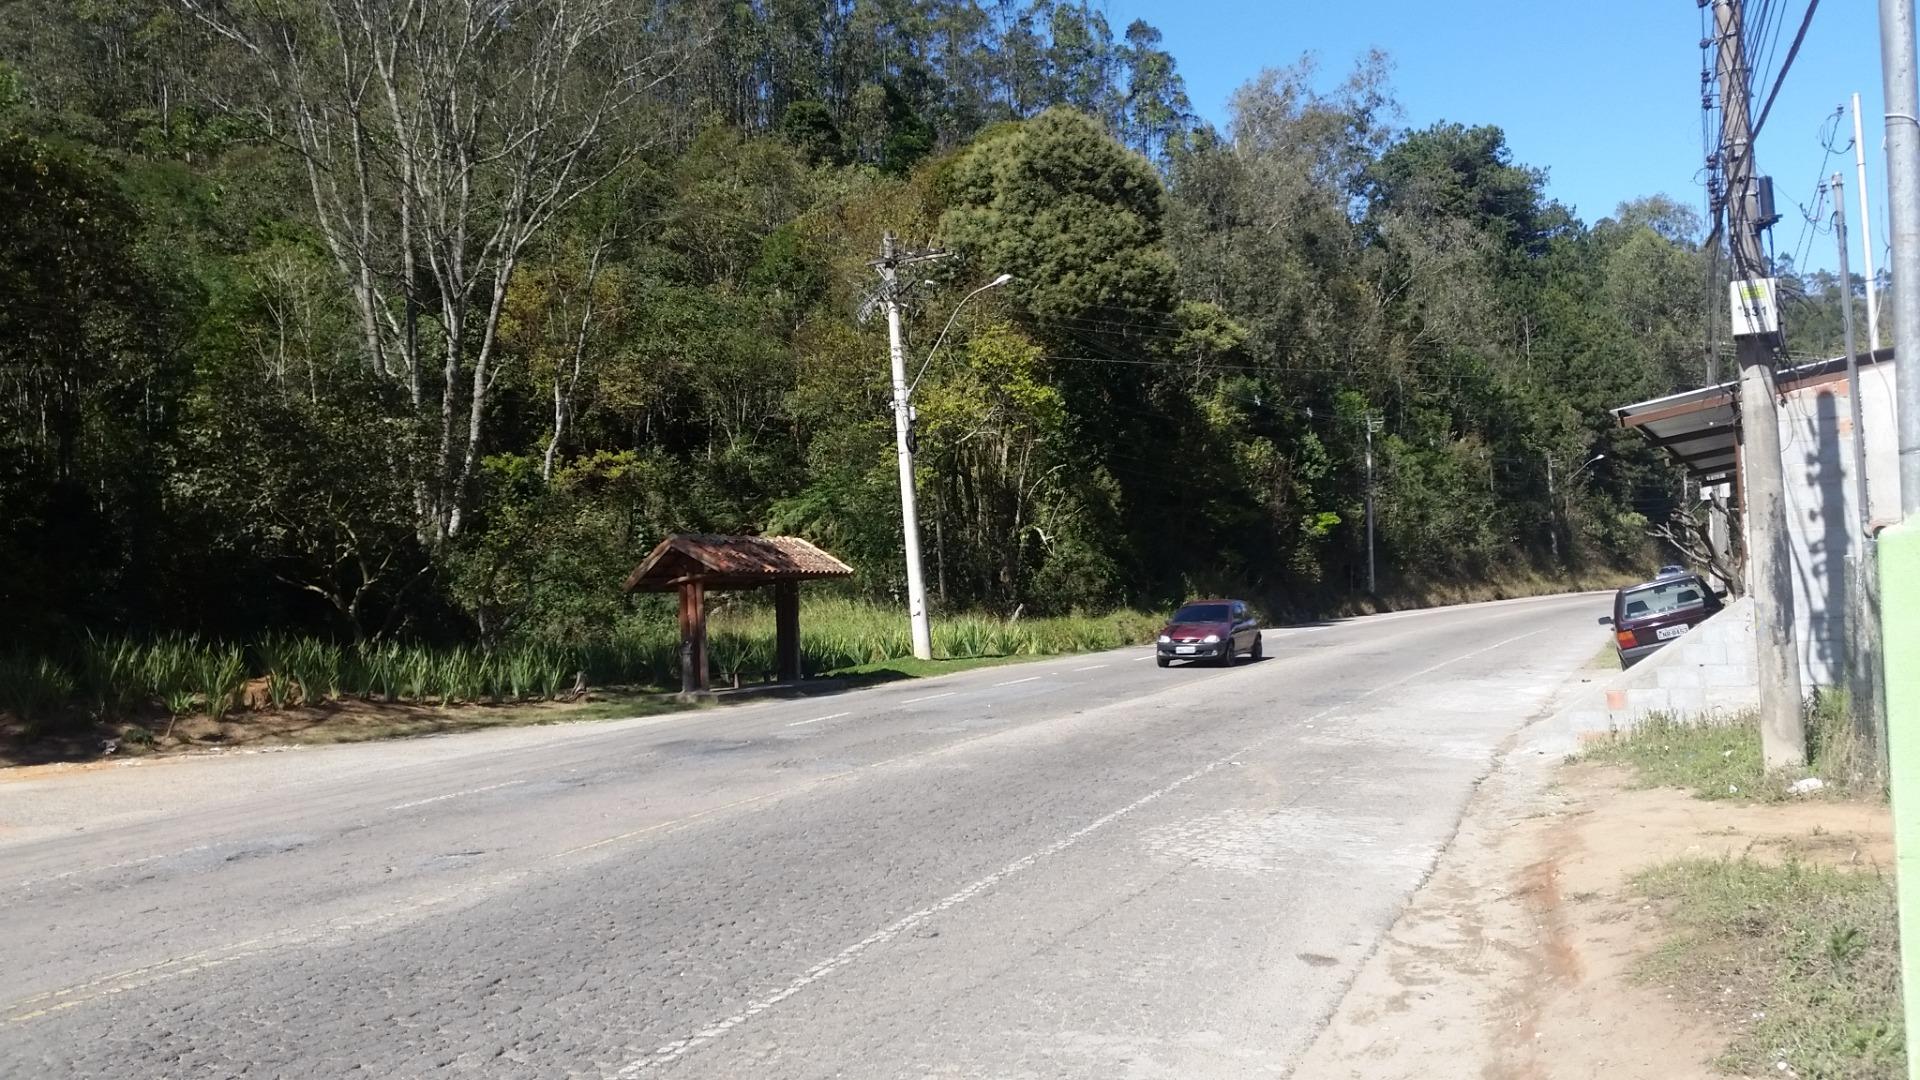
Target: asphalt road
x=1083, y=867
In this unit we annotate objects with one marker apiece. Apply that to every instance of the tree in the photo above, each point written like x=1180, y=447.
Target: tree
x=439, y=142
x=85, y=382
x=1071, y=214
x=1156, y=113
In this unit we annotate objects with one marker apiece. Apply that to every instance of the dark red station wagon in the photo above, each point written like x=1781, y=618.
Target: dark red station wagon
x=1646, y=617
x=1218, y=630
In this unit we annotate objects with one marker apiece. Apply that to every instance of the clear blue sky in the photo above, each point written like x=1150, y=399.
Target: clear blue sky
x=1604, y=96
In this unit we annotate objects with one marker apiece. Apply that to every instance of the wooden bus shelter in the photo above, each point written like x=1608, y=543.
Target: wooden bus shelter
x=696, y=563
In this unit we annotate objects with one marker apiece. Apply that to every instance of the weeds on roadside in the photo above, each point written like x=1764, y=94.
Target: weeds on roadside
x=1720, y=757
x=1804, y=958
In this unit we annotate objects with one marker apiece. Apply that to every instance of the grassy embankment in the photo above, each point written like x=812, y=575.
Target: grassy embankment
x=307, y=689
x=1815, y=947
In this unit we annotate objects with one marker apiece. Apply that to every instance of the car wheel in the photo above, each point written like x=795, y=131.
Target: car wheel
x=1257, y=654
x=1162, y=661
x=1228, y=657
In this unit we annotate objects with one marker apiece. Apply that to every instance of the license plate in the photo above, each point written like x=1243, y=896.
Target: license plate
x=1185, y=650
x=1668, y=633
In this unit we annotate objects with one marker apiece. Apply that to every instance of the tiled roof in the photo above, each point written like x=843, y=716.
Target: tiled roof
x=734, y=562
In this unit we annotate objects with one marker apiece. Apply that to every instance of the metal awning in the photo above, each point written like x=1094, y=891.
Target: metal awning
x=1701, y=428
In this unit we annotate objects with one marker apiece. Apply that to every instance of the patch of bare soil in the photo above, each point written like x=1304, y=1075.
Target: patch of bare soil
x=332, y=722
x=1516, y=960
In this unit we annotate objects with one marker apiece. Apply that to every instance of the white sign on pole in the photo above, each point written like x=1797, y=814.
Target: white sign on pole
x=1755, y=311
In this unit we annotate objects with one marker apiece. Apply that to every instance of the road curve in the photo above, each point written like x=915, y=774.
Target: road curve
x=1082, y=867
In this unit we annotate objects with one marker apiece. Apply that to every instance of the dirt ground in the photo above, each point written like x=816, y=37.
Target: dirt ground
x=1515, y=961
x=332, y=722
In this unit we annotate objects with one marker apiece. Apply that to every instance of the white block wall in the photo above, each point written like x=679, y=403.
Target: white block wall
x=1824, y=526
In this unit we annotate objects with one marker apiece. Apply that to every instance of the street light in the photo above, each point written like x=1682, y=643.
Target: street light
x=1553, y=533
x=994, y=284
x=903, y=439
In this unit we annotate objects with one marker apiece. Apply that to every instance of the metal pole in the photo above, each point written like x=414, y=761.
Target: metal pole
x=1866, y=231
x=1899, y=547
x=1903, y=211
x=1373, y=588
x=1853, y=361
x=903, y=445
x=1782, y=733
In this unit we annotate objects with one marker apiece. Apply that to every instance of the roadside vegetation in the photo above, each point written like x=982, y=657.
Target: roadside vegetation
x=145, y=689
x=1720, y=757
x=1797, y=959
x=1801, y=960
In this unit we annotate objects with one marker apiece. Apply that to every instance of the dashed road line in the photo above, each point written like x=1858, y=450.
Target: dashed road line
x=454, y=795
x=819, y=719
x=1089, y=667
x=1017, y=682
x=929, y=697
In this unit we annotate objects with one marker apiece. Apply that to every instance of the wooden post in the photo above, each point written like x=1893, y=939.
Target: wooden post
x=693, y=637
x=786, y=620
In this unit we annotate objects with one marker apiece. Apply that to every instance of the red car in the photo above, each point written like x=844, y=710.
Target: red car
x=1646, y=617
x=1218, y=630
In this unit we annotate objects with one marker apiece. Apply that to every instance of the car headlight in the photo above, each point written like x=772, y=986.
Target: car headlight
x=1165, y=640
x=1211, y=639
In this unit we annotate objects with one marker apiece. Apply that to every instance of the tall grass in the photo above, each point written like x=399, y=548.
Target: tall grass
x=113, y=678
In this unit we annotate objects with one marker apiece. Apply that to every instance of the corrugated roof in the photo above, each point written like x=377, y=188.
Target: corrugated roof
x=1701, y=428
x=734, y=562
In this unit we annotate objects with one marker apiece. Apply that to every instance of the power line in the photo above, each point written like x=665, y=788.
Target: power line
x=1785, y=66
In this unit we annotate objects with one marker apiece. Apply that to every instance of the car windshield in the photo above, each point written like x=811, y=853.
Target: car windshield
x=1661, y=598
x=1201, y=613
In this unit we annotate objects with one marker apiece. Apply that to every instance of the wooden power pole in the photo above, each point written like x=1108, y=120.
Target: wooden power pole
x=1756, y=327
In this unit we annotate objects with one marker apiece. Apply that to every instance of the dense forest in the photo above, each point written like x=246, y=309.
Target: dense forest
x=378, y=318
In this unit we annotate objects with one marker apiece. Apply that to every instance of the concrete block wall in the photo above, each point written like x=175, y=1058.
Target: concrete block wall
x=1712, y=670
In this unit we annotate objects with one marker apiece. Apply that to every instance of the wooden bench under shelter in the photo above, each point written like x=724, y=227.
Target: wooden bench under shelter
x=695, y=563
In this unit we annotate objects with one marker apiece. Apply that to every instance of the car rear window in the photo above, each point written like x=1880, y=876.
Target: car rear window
x=1662, y=598
x=1201, y=613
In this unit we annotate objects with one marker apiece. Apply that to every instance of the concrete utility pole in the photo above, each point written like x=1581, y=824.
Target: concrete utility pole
x=1853, y=361
x=889, y=266
x=1782, y=733
x=1553, y=511
x=1903, y=211
x=1374, y=423
x=1899, y=547
x=1866, y=231
x=889, y=263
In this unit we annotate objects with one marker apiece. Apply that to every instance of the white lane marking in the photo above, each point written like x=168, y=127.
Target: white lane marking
x=846, y=956
x=669, y=1052
x=1149, y=656
x=1017, y=682
x=929, y=697
x=30, y=882
x=818, y=719
x=454, y=795
x=1089, y=667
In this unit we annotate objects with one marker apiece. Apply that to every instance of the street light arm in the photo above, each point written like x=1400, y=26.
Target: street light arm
x=994, y=284
x=1590, y=463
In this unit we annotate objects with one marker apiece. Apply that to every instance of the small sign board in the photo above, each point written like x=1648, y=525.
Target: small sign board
x=1755, y=309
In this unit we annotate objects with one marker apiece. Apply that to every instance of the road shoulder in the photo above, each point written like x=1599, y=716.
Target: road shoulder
x=1524, y=955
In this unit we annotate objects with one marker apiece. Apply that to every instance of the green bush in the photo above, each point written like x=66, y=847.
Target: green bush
x=36, y=690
